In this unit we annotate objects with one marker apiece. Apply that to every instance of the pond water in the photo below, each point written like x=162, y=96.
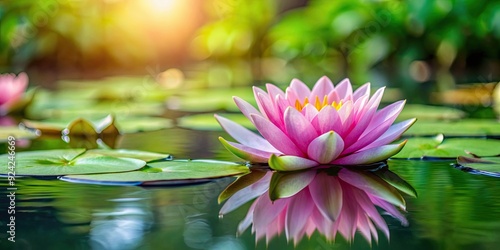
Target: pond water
x=454, y=209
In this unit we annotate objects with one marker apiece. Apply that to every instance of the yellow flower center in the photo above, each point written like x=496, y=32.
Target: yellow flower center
x=317, y=103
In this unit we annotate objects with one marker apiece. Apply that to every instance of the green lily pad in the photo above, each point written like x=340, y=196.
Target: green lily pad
x=427, y=112
x=485, y=165
x=208, y=122
x=66, y=161
x=141, y=124
x=103, y=126
x=205, y=100
x=17, y=132
x=128, y=153
x=439, y=147
x=165, y=173
x=467, y=127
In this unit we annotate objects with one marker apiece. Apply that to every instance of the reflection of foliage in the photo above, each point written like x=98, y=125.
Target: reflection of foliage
x=454, y=209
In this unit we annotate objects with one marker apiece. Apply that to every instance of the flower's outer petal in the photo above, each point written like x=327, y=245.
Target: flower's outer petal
x=362, y=91
x=326, y=193
x=299, y=129
x=268, y=106
x=290, y=163
x=247, y=221
x=246, y=194
x=378, y=126
x=274, y=91
x=371, y=155
x=322, y=88
x=389, y=112
x=245, y=136
x=287, y=184
x=276, y=136
x=344, y=89
x=298, y=211
x=246, y=108
x=245, y=152
x=393, y=133
x=266, y=211
x=390, y=209
x=366, y=204
x=300, y=89
x=263, y=102
x=326, y=147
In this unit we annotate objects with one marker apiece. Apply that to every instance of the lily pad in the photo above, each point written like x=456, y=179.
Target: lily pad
x=208, y=122
x=485, y=165
x=428, y=112
x=467, y=127
x=439, y=147
x=17, y=132
x=166, y=172
x=66, y=161
x=128, y=153
x=107, y=125
x=205, y=100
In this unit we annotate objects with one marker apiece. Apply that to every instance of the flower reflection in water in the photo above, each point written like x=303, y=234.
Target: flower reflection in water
x=330, y=201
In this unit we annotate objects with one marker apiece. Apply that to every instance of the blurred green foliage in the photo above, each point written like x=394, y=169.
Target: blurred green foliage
x=412, y=41
x=239, y=42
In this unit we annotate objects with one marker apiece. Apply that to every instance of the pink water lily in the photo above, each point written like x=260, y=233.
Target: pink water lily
x=303, y=128
x=12, y=88
x=330, y=204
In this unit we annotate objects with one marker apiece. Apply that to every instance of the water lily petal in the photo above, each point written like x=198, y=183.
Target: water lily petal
x=344, y=89
x=364, y=90
x=266, y=210
x=298, y=211
x=246, y=108
x=371, y=155
x=290, y=163
x=299, y=129
x=287, y=184
x=246, y=152
x=327, y=120
x=322, y=88
x=393, y=133
x=300, y=89
x=326, y=193
x=245, y=136
x=372, y=185
x=325, y=147
x=246, y=194
x=276, y=136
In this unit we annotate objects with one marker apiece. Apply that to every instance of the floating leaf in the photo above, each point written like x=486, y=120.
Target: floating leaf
x=128, y=153
x=104, y=126
x=209, y=99
x=467, y=127
x=67, y=161
x=165, y=173
x=439, y=147
x=17, y=132
x=485, y=166
x=208, y=122
x=141, y=124
x=428, y=112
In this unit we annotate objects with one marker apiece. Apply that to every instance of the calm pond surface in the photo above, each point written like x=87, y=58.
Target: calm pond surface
x=454, y=209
